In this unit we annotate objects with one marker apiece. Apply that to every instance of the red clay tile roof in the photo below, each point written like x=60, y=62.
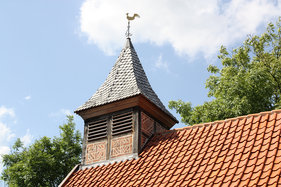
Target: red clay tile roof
x=243, y=151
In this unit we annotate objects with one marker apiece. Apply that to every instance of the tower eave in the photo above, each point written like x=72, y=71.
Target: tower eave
x=134, y=101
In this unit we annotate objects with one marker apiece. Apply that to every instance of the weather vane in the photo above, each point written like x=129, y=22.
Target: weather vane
x=129, y=18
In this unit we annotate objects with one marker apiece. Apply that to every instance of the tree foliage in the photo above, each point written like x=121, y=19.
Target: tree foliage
x=46, y=162
x=248, y=80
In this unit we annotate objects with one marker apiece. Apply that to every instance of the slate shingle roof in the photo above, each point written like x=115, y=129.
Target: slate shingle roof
x=243, y=151
x=126, y=79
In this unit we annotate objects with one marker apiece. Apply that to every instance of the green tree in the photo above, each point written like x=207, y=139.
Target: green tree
x=248, y=80
x=46, y=162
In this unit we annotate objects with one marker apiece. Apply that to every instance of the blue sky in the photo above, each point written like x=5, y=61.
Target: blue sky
x=55, y=54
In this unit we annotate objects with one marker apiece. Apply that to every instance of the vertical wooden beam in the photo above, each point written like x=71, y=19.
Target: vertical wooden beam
x=154, y=126
x=109, y=137
x=84, y=146
x=135, y=130
x=139, y=130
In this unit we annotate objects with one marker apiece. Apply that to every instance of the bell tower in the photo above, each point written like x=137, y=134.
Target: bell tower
x=123, y=113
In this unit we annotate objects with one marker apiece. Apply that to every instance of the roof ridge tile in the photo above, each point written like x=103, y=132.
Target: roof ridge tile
x=221, y=121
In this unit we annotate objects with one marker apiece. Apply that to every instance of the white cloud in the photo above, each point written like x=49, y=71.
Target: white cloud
x=4, y=150
x=27, y=138
x=6, y=133
x=27, y=97
x=161, y=64
x=4, y=111
x=190, y=27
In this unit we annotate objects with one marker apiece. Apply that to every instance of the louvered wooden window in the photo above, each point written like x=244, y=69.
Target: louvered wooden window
x=122, y=123
x=97, y=130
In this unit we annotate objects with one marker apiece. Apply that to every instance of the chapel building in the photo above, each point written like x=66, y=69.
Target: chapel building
x=128, y=141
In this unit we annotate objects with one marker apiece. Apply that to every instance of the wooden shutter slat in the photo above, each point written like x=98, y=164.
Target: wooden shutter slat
x=96, y=138
x=97, y=130
x=118, y=115
x=97, y=124
x=122, y=123
x=121, y=132
x=121, y=118
x=125, y=127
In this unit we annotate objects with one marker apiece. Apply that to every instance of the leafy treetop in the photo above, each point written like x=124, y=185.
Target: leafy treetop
x=249, y=80
x=46, y=162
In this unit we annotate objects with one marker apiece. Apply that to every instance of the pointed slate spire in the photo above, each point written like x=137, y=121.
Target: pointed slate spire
x=126, y=79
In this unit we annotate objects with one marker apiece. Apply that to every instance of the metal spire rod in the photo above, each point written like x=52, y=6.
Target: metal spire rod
x=129, y=18
x=128, y=34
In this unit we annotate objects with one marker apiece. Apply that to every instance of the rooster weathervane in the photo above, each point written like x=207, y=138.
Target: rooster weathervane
x=130, y=18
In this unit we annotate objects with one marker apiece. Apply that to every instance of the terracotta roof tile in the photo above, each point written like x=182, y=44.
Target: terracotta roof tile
x=243, y=151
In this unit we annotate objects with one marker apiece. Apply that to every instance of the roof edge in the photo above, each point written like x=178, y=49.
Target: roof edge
x=166, y=112
x=69, y=174
x=78, y=111
x=221, y=121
